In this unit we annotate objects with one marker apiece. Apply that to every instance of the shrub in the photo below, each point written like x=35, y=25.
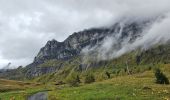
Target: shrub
x=160, y=77
x=122, y=72
x=102, y=76
x=73, y=79
x=89, y=78
x=107, y=74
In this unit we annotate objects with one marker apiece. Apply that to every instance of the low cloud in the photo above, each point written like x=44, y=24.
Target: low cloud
x=26, y=25
x=157, y=32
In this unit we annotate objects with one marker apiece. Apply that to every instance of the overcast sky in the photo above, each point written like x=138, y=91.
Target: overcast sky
x=26, y=25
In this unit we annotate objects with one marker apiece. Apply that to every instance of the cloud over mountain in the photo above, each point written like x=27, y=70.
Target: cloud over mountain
x=25, y=26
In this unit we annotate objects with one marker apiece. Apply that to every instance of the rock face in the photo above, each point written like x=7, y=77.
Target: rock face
x=73, y=45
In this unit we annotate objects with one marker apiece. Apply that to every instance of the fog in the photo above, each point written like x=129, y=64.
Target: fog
x=157, y=32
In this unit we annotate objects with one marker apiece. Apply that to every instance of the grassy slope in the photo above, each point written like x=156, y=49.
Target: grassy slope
x=139, y=86
x=132, y=87
x=137, y=62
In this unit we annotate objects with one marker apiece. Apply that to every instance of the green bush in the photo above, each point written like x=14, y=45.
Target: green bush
x=89, y=78
x=107, y=74
x=102, y=76
x=160, y=77
x=73, y=79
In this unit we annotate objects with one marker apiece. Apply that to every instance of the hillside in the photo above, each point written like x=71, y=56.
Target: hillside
x=75, y=69
x=139, y=86
x=83, y=50
x=75, y=45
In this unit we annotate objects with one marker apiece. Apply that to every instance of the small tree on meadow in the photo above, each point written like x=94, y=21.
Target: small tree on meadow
x=73, y=79
x=107, y=74
x=160, y=77
x=89, y=78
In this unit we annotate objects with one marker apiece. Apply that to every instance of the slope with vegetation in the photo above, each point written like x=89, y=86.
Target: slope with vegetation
x=140, y=86
x=60, y=68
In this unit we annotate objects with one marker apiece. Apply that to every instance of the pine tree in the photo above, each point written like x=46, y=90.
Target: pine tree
x=160, y=77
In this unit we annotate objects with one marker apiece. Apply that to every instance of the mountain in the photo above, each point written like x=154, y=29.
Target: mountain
x=75, y=43
x=62, y=58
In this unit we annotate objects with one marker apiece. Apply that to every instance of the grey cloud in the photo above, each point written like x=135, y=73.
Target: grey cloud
x=26, y=25
x=158, y=32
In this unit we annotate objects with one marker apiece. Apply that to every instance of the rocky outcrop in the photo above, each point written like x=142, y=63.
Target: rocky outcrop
x=73, y=45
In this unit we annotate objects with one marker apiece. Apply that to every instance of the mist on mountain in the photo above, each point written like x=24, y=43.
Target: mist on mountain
x=155, y=32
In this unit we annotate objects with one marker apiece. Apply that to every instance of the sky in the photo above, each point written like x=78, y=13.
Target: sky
x=26, y=25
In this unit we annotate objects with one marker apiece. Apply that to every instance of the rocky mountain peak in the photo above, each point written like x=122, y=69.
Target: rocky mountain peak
x=73, y=45
x=52, y=42
x=77, y=42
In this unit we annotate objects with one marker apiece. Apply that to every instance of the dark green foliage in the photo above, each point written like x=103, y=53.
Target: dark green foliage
x=107, y=74
x=89, y=78
x=73, y=79
x=160, y=77
x=138, y=59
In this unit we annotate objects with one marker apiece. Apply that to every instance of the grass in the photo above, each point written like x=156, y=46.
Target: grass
x=140, y=86
x=18, y=90
x=133, y=87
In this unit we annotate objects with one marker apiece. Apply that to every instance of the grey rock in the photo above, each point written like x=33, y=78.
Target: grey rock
x=73, y=45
